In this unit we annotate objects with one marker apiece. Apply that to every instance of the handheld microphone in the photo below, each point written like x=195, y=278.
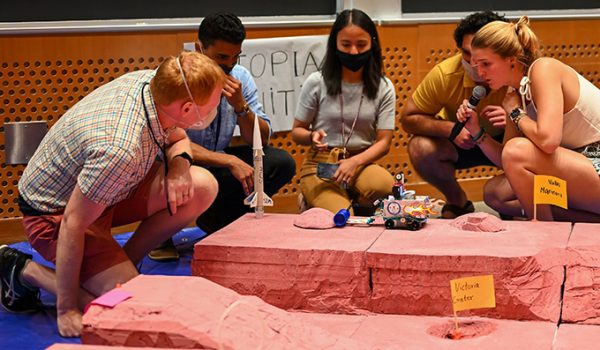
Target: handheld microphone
x=477, y=95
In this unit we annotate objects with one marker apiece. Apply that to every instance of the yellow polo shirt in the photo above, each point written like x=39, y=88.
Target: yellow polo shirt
x=444, y=89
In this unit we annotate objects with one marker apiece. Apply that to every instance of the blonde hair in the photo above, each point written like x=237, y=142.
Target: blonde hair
x=202, y=74
x=509, y=39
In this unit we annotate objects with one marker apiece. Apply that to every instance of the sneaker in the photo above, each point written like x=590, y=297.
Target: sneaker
x=166, y=251
x=16, y=297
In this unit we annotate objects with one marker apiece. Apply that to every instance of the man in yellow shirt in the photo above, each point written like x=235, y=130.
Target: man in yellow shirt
x=430, y=115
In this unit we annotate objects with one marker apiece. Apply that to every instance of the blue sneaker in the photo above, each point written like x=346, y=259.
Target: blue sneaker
x=16, y=297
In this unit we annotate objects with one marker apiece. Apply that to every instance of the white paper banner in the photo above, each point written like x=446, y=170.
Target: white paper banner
x=279, y=67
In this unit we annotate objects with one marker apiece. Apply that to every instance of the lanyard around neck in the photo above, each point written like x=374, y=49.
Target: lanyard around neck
x=162, y=148
x=345, y=139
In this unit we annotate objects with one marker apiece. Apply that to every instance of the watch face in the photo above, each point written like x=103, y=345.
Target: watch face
x=393, y=208
x=515, y=113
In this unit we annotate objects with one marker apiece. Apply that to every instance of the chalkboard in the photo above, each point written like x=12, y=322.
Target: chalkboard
x=420, y=6
x=75, y=10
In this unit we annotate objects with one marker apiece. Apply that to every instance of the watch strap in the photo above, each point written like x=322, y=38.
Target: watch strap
x=186, y=156
x=478, y=136
x=245, y=110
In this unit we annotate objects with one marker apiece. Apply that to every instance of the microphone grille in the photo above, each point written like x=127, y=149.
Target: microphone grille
x=479, y=92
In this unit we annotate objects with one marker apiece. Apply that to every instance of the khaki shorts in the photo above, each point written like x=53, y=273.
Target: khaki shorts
x=371, y=182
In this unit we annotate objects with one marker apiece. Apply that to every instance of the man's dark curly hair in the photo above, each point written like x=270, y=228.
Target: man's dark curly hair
x=473, y=22
x=221, y=26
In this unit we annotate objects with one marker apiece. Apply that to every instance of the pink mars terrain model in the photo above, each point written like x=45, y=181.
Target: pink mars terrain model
x=357, y=269
x=388, y=289
x=192, y=312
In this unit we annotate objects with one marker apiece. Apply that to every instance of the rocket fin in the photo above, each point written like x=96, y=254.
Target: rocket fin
x=251, y=200
x=267, y=201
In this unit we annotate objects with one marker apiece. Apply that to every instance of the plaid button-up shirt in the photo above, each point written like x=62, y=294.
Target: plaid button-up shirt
x=103, y=144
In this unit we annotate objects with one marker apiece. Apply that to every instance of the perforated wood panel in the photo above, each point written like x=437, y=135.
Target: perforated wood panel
x=577, y=43
x=44, y=90
x=42, y=76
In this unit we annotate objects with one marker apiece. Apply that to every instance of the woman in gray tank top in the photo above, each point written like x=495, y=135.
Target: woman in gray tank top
x=346, y=114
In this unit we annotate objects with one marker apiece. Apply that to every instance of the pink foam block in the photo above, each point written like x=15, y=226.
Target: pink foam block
x=582, y=285
x=580, y=337
x=287, y=266
x=193, y=312
x=427, y=332
x=411, y=271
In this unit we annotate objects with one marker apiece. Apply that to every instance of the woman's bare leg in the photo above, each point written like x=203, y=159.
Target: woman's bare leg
x=522, y=160
x=499, y=195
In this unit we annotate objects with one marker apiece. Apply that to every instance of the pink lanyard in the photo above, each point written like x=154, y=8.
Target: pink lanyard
x=344, y=139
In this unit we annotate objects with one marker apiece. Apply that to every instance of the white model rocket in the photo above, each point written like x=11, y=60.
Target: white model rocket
x=258, y=199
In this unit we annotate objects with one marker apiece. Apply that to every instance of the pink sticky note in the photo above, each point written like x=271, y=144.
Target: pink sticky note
x=112, y=298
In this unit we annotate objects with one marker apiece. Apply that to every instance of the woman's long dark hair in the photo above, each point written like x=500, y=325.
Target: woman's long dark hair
x=332, y=67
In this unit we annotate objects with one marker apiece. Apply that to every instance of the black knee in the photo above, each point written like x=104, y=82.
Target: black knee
x=279, y=169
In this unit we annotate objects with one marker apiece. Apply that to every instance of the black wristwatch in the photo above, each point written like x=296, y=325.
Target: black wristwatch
x=186, y=156
x=245, y=110
x=516, y=115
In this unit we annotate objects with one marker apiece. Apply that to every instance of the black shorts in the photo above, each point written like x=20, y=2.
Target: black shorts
x=469, y=158
x=592, y=152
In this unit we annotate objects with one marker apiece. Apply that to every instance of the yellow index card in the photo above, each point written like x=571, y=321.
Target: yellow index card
x=549, y=190
x=473, y=293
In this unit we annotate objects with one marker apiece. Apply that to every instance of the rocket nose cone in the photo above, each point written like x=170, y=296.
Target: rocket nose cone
x=256, y=139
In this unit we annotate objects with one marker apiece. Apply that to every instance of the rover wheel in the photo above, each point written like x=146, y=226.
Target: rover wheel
x=389, y=223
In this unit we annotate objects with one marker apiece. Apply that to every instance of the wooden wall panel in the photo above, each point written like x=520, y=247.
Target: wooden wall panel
x=42, y=76
x=399, y=45
x=435, y=45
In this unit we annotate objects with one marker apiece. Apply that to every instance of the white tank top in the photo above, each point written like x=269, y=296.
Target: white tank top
x=581, y=125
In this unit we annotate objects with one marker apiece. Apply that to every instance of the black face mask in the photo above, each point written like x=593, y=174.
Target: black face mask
x=353, y=62
x=226, y=69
